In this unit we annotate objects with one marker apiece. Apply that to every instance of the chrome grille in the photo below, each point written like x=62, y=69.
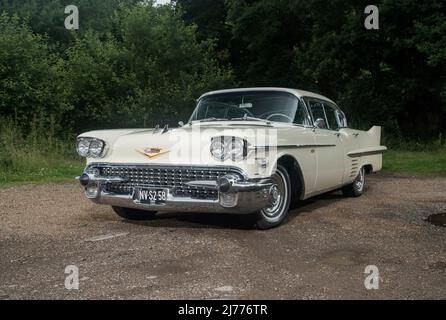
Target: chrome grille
x=172, y=178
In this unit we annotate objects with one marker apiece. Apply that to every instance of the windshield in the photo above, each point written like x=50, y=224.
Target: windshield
x=271, y=106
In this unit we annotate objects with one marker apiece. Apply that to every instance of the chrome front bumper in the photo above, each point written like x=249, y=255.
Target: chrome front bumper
x=235, y=195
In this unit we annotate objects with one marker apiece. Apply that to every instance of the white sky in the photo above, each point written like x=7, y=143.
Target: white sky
x=162, y=1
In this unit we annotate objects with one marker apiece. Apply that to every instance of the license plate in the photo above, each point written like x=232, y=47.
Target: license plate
x=151, y=196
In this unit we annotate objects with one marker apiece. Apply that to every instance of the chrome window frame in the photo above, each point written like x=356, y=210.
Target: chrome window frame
x=330, y=105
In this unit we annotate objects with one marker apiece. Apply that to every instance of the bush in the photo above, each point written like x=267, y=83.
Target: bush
x=31, y=75
x=150, y=71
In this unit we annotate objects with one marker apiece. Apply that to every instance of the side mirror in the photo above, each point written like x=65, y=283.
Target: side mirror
x=320, y=124
x=181, y=124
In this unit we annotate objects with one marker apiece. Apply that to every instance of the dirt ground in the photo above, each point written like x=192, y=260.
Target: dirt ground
x=321, y=252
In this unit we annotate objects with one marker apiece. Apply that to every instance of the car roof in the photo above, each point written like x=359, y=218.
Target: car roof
x=296, y=92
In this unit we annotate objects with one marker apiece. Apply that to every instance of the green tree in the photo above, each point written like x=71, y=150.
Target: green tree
x=151, y=71
x=98, y=82
x=48, y=16
x=31, y=75
x=394, y=76
x=210, y=18
x=171, y=65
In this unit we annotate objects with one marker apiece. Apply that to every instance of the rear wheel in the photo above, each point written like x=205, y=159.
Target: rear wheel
x=273, y=215
x=356, y=189
x=134, y=214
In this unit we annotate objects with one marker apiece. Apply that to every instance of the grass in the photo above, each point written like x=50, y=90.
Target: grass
x=37, y=157
x=54, y=171
x=416, y=162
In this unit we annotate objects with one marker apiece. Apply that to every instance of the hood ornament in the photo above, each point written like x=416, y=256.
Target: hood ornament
x=152, y=153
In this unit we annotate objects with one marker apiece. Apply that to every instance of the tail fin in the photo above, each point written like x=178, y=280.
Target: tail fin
x=375, y=134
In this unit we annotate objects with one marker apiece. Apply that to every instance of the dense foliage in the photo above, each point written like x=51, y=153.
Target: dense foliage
x=135, y=64
x=394, y=76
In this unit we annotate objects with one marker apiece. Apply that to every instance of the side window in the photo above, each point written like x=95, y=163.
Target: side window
x=331, y=117
x=342, y=120
x=301, y=115
x=317, y=110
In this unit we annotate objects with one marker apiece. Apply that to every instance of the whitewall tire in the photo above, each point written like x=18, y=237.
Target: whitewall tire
x=280, y=192
x=356, y=189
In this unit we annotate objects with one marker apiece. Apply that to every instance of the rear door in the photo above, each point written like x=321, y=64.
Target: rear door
x=329, y=148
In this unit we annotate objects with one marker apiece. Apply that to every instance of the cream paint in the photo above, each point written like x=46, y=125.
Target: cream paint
x=323, y=155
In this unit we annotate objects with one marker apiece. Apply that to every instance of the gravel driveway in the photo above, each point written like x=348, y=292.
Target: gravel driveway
x=320, y=252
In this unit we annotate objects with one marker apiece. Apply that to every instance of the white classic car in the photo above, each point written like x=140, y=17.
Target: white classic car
x=244, y=151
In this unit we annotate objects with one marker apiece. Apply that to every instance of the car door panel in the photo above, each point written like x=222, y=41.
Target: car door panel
x=329, y=150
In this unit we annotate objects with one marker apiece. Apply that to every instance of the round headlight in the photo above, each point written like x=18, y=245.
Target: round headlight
x=237, y=149
x=224, y=148
x=219, y=150
x=83, y=147
x=90, y=147
x=96, y=148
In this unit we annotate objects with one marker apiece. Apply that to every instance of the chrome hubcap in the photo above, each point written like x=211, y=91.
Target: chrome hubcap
x=278, y=194
x=359, y=182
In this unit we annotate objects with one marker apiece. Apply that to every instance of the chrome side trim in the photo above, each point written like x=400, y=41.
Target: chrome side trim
x=236, y=186
x=299, y=146
x=367, y=152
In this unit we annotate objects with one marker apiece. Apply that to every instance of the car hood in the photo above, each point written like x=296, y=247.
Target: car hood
x=187, y=145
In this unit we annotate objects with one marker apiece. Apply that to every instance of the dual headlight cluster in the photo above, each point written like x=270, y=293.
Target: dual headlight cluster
x=90, y=147
x=224, y=148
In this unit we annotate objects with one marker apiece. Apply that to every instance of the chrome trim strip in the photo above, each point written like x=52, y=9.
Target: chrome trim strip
x=213, y=185
x=302, y=146
x=112, y=180
x=367, y=153
x=248, y=186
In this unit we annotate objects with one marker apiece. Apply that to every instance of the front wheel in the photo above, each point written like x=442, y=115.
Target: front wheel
x=134, y=214
x=273, y=215
x=356, y=189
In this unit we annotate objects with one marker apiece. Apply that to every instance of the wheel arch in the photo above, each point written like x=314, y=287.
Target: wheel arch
x=291, y=164
x=368, y=168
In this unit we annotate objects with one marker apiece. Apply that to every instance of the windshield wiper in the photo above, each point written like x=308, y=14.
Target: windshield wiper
x=246, y=118
x=212, y=119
